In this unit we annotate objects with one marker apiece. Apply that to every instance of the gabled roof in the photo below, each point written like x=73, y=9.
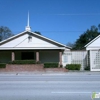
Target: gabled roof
x=36, y=35
x=92, y=41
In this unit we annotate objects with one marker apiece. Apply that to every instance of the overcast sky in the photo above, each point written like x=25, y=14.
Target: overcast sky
x=61, y=20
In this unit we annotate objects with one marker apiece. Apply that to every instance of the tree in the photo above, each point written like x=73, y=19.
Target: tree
x=86, y=37
x=38, y=32
x=70, y=44
x=5, y=33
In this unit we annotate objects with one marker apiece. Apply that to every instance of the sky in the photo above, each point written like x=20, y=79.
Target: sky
x=61, y=20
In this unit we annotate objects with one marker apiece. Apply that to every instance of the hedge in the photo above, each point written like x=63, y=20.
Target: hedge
x=2, y=65
x=50, y=65
x=23, y=62
x=73, y=66
x=87, y=68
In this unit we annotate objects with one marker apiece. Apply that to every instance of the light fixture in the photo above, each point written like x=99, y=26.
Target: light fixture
x=29, y=37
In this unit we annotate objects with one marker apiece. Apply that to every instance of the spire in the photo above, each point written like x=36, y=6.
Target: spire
x=28, y=28
x=28, y=20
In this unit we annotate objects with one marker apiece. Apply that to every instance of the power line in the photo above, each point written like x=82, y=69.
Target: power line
x=55, y=31
x=70, y=14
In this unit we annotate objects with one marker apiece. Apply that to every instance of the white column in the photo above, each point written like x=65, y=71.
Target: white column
x=60, y=58
x=37, y=56
x=12, y=56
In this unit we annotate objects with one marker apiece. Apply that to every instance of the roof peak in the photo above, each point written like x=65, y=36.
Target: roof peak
x=28, y=28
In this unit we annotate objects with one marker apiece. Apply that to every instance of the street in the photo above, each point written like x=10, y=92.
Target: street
x=48, y=86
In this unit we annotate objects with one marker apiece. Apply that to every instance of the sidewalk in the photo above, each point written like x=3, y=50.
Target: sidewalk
x=51, y=73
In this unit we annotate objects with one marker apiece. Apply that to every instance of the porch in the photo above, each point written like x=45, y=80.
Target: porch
x=38, y=55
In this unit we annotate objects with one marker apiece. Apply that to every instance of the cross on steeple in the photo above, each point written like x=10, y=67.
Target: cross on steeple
x=28, y=28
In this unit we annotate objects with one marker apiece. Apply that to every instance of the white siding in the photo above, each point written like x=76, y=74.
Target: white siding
x=94, y=48
x=23, y=41
x=95, y=60
x=94, y=45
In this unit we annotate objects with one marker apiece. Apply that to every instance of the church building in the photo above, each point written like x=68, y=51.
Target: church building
x=30, y=45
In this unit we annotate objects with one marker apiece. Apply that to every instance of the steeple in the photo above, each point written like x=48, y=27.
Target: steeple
x=28, y=28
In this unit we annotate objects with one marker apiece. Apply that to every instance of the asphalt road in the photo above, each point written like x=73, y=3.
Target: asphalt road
x=48, y=86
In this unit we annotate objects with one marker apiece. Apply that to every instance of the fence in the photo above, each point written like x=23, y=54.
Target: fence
x=75, y=57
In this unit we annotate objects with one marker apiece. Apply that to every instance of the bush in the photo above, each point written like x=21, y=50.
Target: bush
x=50, y=65
x=2, y=65
x=73, y=66
x=23, y=62
x=87, y=68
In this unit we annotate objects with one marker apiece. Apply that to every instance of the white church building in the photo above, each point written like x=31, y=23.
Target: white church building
x=30, y=45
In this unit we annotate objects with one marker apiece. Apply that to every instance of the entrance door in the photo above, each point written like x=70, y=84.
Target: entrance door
x=27, y=55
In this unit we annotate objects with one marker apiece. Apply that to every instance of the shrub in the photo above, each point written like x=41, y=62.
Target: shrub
x=2, y=65
x=23, y=62
x=87, y=68
x=73, y=66
x=50, y=65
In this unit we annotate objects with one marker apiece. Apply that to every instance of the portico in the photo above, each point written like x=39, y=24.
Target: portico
x=39, y=55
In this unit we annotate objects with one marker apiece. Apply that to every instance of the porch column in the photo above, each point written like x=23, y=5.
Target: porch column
x=60, y=58
x=13, y=56
x=37, y=56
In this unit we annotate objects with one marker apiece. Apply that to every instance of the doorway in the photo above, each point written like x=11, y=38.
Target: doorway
x=27, y=55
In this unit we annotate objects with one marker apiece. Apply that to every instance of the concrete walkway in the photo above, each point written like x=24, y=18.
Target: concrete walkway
x=52, y=73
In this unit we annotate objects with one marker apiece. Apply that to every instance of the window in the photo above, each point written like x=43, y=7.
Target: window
x=27, y=55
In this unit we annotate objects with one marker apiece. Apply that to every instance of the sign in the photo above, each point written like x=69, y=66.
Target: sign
x=95, y=95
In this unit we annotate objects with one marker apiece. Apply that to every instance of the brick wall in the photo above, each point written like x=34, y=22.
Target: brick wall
x=26, y=67
x=30, y=68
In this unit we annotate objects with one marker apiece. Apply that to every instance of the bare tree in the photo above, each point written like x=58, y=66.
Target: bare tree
x=5, y=33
